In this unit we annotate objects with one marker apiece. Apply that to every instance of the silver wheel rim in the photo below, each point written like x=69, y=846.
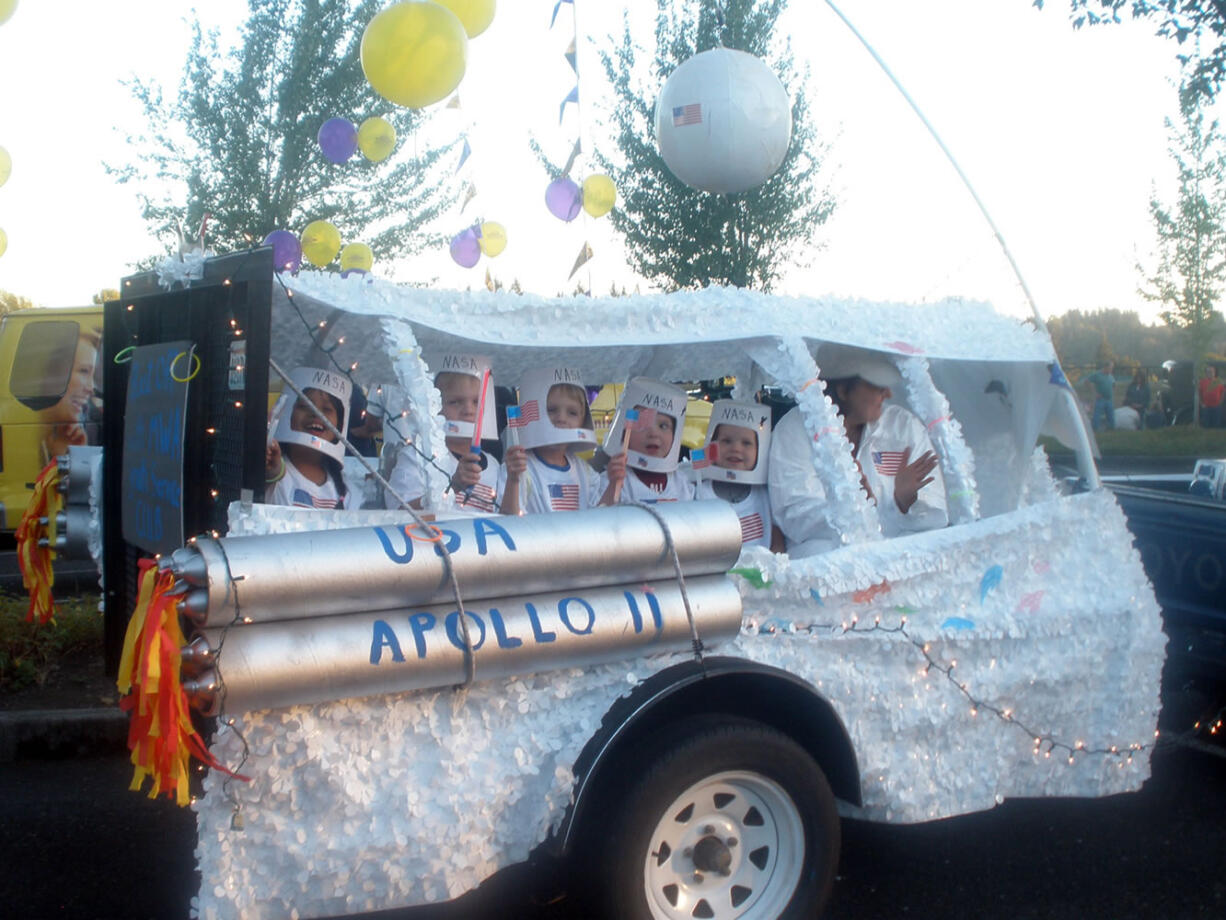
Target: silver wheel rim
x=730, y=846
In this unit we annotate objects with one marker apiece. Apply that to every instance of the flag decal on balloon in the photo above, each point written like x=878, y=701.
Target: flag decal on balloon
x=687, y=114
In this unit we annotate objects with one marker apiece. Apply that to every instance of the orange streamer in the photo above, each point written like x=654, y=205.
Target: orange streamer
x=34, y=560
x=863, y=597
x=160, y=731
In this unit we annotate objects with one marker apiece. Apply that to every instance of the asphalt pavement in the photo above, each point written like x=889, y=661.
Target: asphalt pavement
x=76, y=844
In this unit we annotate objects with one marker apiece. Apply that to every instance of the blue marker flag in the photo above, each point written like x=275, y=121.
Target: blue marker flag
x=990, y=581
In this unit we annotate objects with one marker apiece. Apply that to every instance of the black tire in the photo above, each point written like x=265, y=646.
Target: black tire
x=711, y=828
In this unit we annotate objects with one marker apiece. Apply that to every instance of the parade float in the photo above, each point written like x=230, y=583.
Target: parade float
x=401, y=703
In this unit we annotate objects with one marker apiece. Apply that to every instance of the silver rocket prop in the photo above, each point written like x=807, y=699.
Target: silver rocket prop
x=258, y=579
x=271, y=665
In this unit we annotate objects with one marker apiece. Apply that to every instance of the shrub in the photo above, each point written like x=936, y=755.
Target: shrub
x=29, y=653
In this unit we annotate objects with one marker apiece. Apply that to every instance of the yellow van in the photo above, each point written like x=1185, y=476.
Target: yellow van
x=50, y=386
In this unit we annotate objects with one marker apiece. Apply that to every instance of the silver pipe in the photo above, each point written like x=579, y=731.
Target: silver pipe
x=272, y=665
x=324, y=573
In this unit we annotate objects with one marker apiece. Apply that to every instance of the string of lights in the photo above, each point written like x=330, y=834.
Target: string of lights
x=312, y=333
x=1045, y=743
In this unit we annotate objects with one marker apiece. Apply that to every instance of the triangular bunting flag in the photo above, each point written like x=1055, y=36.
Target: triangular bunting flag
x=584, y=254
x=557, y=6
x=570, y=160
x=464, y=155
x=454, y=103
x=489, y=281
x=571, y=57
x=469, y=194
x=572, y=96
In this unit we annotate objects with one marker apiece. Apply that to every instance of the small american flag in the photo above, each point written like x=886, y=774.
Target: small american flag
x=515, y=418
x=751, y=527
x=888, y=462
x=304, y=499
x=687, y=114
x=699, y=459
x=563, y=497
x=640, y=419
x=529, y=412
x=479, y=496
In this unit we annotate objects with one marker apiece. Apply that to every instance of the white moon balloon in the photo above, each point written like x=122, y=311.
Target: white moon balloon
x=723, y=121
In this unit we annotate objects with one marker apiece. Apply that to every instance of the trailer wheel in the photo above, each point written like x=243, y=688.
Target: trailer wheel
x=731, y=820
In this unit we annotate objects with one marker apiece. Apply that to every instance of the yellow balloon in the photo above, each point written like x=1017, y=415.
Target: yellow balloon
x=414, y=53
x=376, y=139
x=599, y=194
x=6, y=10
x=357, y=257
x=6, y=161
x=474, y=15
x=493, y=238
x=320, y=242
x=4, y=241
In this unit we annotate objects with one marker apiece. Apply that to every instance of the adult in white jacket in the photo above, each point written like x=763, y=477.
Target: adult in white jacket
x=898, y=466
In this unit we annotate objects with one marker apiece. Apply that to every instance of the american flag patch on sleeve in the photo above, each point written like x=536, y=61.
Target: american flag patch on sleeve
x=751, y=527
x=687, y=114
x=563, y=497
x=888, y=462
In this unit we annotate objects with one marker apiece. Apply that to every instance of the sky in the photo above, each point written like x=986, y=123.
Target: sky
x=1061, y=131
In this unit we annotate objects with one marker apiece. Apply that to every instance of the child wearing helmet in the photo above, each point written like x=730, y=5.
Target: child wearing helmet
x=733, y=467
x=647, y=438
x=477, y=479
x=555, y=479
x=302, y=465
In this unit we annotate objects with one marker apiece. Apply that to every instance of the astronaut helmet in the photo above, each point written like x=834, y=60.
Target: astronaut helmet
x=738, y=443
x=557, y=385
x=650, y=446
x=452, y=373
x=290, y=426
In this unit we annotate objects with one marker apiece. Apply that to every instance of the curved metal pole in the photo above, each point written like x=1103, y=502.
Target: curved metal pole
x=1085, y=460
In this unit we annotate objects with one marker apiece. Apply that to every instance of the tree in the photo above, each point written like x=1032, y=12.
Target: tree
x=1204, y=23
x=104, y=295
x=678, y=237
x=239, y=141
x=10, y=302
x=1191, y=267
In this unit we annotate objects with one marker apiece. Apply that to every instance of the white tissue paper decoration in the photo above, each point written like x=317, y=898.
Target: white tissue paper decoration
x=849, y=510
x=957, y=460
x=390, y=801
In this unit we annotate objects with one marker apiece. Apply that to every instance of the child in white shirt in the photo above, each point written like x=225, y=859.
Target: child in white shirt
x=476, y=477
x=651, y=444
x=554, y=479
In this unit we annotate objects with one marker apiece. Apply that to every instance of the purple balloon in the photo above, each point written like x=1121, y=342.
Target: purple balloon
x=466, y=248
x=564, y=199
x=338, y=139
x=286, y=251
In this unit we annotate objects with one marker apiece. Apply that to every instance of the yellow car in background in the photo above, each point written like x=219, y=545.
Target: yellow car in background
x=50, y=381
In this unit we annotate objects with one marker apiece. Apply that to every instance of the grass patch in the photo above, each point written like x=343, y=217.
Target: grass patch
x=29, y=653
x=1175, y=441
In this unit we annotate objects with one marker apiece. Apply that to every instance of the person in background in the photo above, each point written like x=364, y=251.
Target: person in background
x=1138, y=397
x=65, y=420
x=363, y=425
x=1211, y=391
x=1102, y=387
